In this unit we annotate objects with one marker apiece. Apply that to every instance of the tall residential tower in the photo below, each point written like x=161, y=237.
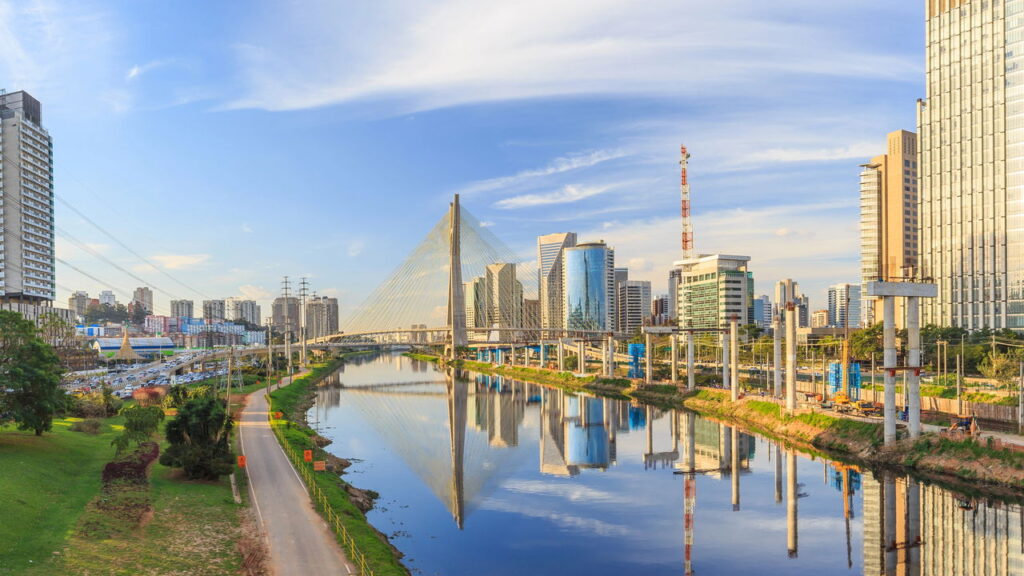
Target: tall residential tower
x=26, y=201
x=549, y=262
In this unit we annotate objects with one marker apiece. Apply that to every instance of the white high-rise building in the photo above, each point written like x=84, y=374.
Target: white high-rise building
x=182, y=308
x=107, y=298
x=971, y=206
x=213, y=311
x=241, y=309
x=26, y=201
x=550, y=289
x=143, y=296
x=504, y=296
x=844, y=306
x=633, y=304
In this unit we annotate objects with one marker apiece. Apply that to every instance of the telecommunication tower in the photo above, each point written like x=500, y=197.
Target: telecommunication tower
x=684, y=193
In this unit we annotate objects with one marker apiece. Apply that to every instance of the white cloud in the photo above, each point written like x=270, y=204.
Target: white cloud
x=566, y=195
x=252, y=292
x=180, y=261
x=854, y=151
x=454, y=52
x=557, y=166
x=246, y=228
x=355, y=248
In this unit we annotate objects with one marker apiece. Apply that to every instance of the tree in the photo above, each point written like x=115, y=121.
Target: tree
x=750, y=332
x=198, y=438
x=140, y=423
x=867, y=343
x=999, y=367
x=29, y=375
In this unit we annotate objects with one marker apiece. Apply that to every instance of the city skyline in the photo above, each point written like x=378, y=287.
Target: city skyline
x=576, y=151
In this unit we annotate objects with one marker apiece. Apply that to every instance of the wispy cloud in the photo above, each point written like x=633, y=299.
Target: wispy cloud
x=355, y=248
x=566, y=195
x=559, y=165
x=180, y=261
x=428, y=56
x=138, y=70
x=252, y=292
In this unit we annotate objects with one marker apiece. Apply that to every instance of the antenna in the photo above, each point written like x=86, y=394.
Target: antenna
x=684, y=192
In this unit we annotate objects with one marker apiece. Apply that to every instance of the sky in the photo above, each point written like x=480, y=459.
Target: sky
x=224, y=145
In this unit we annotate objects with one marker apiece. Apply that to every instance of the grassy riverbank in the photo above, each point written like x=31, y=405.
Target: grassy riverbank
x=962, y=464
x=294, y=400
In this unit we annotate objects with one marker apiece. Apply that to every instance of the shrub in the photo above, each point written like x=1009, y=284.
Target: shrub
x=198, y=438
x=132, y=467
x=88, y=426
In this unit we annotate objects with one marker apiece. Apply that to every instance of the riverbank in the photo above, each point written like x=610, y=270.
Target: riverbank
x=348, y=503
x=965, y=465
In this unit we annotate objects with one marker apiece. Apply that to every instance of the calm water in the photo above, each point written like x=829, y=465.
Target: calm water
x=538, y=481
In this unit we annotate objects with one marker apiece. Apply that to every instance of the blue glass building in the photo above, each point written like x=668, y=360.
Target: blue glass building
x=589, y=284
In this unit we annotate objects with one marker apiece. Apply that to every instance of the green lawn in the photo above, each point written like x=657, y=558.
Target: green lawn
x=45, y=483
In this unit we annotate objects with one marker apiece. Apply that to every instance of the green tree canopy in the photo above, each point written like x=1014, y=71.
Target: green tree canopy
x=140, y=423
x=29, y=375
x=198, y=438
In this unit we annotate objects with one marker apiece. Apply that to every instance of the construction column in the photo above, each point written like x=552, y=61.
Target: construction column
x=648, y=361
x=889, y=366
x=674, y=340
x=913, y=391
x=581, y=352
x=725, y=360
x=734, y=362
x=777, y=356
x=790, y=357
x=691, y=377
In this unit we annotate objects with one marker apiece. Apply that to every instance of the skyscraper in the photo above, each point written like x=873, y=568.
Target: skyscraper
x=888, y=219
x=213, y=311
x=475, y=293
x=285, y=316
x=26, y=201
x=972, y=189
x=588, y=280
x=321, y=316
x=504, y=296
x=763, y=311
x=633, y=305
x=143, y=296
x=182, y=308
x=675, y=276
x=107, y=298
x=549, y=263
x=236, y=309
x=713, y=289
x=844, y=305
x=79, y=302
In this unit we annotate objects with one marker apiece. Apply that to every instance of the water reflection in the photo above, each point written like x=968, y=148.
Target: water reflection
x=589, y=480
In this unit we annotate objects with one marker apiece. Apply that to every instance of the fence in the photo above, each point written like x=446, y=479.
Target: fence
x=323, y=505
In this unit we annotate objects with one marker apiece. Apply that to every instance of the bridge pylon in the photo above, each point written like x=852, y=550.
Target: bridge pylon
x=456, y=297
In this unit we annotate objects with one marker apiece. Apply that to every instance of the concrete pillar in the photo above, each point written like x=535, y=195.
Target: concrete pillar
x=735, y=469
x=648, y=360
x=603, y=346
x=691, y=373
x=581, y=353
x=725, y=360
x=674, y=340
x=513, y=360
x=734, y=361
x=790, y=357
x=777, y=357
x=611, y=356
x=561, y=355
x=791, y=508
x=913, y=392
x=888, y=364
x=543, y=354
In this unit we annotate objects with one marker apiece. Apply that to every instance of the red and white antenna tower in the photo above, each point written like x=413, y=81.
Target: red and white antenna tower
x=684, y=192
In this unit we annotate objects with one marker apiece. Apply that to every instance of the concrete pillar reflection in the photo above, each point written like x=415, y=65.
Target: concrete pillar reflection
x=791, y=504
x=778, y=473
x=889, y=522
x=735, y=469
x=913, y=527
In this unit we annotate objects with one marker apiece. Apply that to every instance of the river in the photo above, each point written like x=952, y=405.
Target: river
x=538, y=481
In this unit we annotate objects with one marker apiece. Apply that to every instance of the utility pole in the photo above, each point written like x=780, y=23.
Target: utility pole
x=286, y=293
x=303, y=292
x=1020, y=400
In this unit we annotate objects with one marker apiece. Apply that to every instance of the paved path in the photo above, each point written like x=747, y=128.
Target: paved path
x=300, y=540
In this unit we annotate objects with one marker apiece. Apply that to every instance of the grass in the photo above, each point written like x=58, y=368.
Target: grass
x=47, y=482
x=194, y=530
x=290, y=400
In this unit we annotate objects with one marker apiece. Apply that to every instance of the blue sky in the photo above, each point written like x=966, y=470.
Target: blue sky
x=232, y=143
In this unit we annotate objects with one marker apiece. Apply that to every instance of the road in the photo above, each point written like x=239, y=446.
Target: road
x=300, y=540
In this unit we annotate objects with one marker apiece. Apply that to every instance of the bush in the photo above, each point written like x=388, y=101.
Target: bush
x=88, y=426
x=133, y=467
x=88, y=406
x=198, y=438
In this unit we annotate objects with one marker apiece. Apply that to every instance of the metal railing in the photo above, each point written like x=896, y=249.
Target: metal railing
x=322, y=504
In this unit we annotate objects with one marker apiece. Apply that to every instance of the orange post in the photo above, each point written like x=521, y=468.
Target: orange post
x=307, y=455
x=241, y=460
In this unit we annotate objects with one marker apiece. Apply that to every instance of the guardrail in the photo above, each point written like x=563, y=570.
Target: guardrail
x=322, y=504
